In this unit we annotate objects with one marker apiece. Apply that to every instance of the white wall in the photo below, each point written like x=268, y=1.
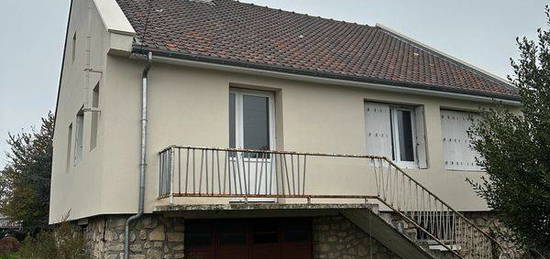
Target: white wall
x=76, y=187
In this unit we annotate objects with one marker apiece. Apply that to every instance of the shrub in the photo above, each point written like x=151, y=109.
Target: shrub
x=8, y=245
x=66, y=241
x=14, y=233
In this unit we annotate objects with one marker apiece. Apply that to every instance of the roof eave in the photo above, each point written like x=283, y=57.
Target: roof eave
x=508, y=99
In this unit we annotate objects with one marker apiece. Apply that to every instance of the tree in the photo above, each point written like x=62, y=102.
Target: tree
x=26, y=178
x=515, y=150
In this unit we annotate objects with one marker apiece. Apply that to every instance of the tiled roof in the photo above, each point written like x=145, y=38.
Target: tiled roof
x=230, y=32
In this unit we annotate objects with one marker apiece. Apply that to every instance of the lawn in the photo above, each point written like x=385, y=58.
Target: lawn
x=10, y=256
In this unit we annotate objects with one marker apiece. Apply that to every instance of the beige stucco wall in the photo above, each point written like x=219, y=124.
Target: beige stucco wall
x=189, y=106
x=76, y=188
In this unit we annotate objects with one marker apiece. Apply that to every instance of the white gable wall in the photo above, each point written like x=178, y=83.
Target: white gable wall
x=76, y=186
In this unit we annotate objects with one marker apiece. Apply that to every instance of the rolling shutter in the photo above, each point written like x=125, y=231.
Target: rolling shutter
x=378, y=129
x=456, y=144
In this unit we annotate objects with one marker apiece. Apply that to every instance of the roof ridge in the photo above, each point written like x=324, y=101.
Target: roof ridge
x=454, y=60
x=304, y=14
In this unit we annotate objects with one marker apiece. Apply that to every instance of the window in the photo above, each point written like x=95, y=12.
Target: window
x=79, y=137
x=457, y=153
x=73, y=49
x=251, y=119
x=95, y=117
x=69, y=144
x=403, y=134
x=396, y=132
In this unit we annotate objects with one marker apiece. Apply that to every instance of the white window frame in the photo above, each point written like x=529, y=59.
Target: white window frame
x=389, y=146
x=395, y=133
x=239, y=130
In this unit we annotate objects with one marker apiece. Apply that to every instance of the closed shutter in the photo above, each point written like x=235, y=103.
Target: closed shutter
x=421, y=156
x=378, y=129
x=458, y=155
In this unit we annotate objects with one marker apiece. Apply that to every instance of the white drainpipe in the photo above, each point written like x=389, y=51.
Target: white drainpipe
x=142, y=164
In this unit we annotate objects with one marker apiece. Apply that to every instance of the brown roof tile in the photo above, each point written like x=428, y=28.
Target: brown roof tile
x=242, y=34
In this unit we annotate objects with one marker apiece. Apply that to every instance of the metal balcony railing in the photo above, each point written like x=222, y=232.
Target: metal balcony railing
x=260, y=175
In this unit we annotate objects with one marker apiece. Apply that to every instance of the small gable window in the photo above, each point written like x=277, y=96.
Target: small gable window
x=73, y=48
x=69, y=144
x=79, y=137
x=95, y=117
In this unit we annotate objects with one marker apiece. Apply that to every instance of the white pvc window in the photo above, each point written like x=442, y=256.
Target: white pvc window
x=251, y=119
x=457, y=152
x=396, y=132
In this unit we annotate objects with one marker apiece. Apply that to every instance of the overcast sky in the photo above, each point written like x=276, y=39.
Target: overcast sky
x=481, y=32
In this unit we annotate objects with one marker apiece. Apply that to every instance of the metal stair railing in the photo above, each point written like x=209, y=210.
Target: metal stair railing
x=251, y=174
x=435, y=219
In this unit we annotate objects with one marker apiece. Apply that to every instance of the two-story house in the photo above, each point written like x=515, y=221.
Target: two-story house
x=219, y=129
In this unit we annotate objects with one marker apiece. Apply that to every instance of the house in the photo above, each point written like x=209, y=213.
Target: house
x=219, y=129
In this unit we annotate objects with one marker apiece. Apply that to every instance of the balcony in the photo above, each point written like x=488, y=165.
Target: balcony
x=199, y=178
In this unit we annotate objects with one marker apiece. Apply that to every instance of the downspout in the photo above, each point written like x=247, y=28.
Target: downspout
x=142, y=164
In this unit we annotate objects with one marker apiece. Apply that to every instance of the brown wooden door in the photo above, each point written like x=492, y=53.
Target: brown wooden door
x=265, y=238
x=231, y=239
x=248, y=239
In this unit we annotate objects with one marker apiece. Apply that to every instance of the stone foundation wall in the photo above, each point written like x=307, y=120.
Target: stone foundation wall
x=488, y=222
x=151, y=237
x=337, y=237
x=156, y=237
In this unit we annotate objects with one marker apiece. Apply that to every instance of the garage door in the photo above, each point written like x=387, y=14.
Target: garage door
x=248, y=238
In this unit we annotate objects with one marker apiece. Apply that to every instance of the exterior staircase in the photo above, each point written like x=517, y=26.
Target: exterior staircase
x=427, y=220
x=388, y=234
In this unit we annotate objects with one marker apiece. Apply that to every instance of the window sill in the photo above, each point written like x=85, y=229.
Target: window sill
x=406, y=165
x=443, y=249
x=454, y=170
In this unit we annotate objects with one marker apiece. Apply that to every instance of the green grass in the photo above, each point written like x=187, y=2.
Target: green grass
x=10, y=256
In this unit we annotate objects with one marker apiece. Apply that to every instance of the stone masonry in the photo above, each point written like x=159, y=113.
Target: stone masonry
x=157, y=237
x=151, y=237
x=488, y=222
x=337, y=237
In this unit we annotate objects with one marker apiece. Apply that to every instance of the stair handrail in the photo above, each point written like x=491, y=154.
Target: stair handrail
x=436, y=198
